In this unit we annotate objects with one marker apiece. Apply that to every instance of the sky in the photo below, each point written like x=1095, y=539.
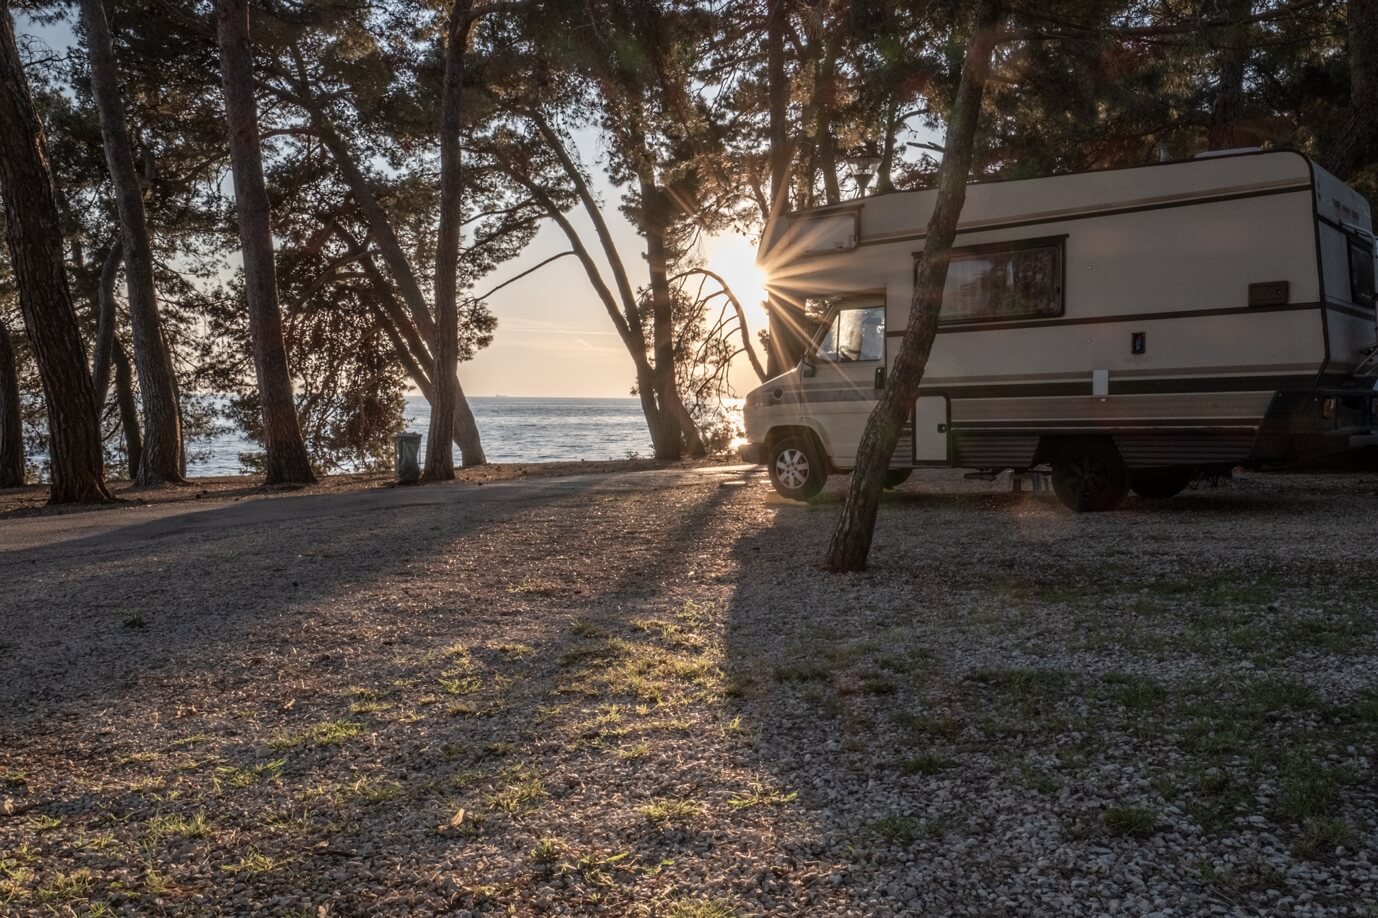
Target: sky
x=554, y=337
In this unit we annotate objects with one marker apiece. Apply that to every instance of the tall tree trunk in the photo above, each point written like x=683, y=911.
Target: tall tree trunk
x=105, y=323
x=163, y=461
x=680, y=432
x=129, y=408
x=440, y=464
x=1223, y=133
x=825, y=104
x=884, y=180
x=851, y=539
x=1354, y=146
x=11, y=421
x=35, y=242
x=286, y=459
x=777, y=90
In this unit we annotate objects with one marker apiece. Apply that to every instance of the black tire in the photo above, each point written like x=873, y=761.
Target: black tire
x=1089, y=476
x=896, y=477
x=1159, y=484
x=796, y=468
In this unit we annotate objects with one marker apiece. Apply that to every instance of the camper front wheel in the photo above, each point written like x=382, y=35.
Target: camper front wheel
x=796, y=468
x=1089, y=475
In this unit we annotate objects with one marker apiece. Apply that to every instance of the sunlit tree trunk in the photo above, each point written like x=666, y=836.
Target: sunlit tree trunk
x=440, y=464
x=11, y=421
x=851, y=539
x=34, y=235
x=162, y=460
x=680, y=432
x=286, y=460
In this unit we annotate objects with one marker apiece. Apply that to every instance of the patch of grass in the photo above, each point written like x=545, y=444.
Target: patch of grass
x=1138, y=693
x=926, y=764
x=927, y=725
x=596, y=869
x=802, y=671
x=522, y=787
x=700, y=908
x=633, y=752
x=547, y=851
x=133, y=621
x=42, y=823
x=877, y=684
x=896, y=829
x=329, y=733
x=175, y=825
x=254, y=863
x=237, y=777
x=371, y=790
x=64, y=887
x=1032, y=691
x=195, y=739
x=1320, y=837
x=1130, y=821
x=668, y=811
x=1308, y=791
x=761, y=795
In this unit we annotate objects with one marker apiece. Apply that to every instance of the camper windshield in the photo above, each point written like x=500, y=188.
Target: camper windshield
x=855, y=334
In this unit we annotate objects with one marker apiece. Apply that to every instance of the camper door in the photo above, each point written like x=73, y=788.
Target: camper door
x=841, y=393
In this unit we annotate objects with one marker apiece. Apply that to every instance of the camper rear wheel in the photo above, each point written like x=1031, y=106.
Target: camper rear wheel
x=796, y=468
x=1160, y=484
x=1089, y=475
x=896, y=477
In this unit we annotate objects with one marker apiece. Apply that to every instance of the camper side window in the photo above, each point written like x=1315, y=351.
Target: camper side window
x=855, y=334
x=1361, y=271
x=1004, y=281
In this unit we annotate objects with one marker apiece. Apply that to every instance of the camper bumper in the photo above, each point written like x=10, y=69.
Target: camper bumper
x=1359, y=441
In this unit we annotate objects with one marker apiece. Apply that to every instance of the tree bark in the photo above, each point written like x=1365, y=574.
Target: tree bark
x=129, y=409
x=34, y=235
x=851, y=539
x=777, y=90
x=11, y=421
x=1223, y=132
x=105, y=323
x=1353, y=147
x=286, y=460
x=440, y=464
x=163, y=460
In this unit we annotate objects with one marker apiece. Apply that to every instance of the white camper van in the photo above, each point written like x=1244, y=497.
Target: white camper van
x=1130, y=328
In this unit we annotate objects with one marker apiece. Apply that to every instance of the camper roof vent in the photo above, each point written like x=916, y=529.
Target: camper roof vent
x=1212, y=154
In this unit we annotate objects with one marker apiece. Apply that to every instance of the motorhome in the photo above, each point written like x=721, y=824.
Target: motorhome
x=1128, y=329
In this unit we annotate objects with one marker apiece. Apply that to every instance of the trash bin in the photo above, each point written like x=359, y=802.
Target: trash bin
x=408, y=469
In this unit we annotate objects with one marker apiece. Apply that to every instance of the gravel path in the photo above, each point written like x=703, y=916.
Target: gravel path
x=632, y=693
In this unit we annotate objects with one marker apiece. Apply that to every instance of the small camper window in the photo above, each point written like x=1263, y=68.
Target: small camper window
x=855, y=334
x=993, y=283
x=1361, y=271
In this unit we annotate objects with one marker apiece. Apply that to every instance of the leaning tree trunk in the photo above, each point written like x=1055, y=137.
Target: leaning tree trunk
x=34, y=236
x=851, y=540
x=1355, y=144
x=286, y=460
x=11, y=421
x=162, y=418
x=440, y=464
x=129, y=409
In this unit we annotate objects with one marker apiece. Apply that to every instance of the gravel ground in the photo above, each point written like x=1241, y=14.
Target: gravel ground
x=633, y=693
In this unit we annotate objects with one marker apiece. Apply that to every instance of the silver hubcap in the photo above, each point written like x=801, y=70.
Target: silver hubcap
x=792, y=468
